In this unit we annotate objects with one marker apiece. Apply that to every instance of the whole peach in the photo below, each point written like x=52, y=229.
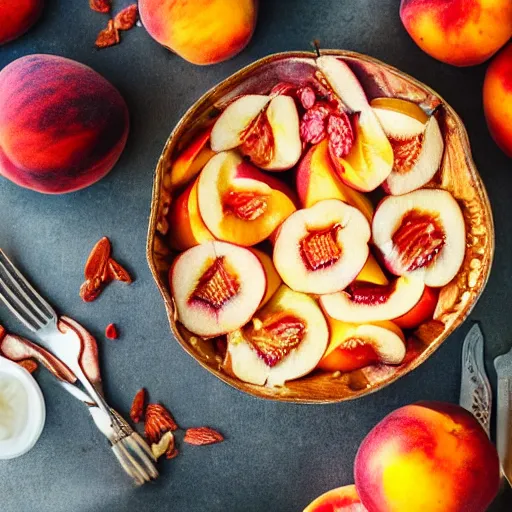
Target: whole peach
x=17, y=16
x=201, y=31
x=427, y=456
x=458, y=32
x=62, y=125
x=498, y=99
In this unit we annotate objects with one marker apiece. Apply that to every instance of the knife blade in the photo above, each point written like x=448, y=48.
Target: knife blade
x=475, y=389
x=503, y=365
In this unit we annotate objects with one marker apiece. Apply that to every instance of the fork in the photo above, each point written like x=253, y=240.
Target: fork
x=36, y=314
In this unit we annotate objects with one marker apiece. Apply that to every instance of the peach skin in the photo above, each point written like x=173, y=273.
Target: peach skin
x=498, y=99
x=187, y=226
x=200, y=31
x=62, y=125
x=17, y=17
x=317, y=180
x=458, y=32
x=191, y=160
x=427, y=456
x=342, y=499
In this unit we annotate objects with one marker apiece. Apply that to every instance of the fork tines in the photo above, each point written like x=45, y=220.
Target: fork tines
x=21, y=298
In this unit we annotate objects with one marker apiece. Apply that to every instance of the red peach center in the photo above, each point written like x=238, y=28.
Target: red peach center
x=320, y=249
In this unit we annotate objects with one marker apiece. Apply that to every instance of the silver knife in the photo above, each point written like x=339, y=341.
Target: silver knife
x=475, y=389
x=503, y=365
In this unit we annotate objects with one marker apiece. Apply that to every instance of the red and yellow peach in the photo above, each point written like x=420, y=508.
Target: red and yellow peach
x=458, y=32
x=62, y=125
x=17, y=17
x=342, y=499
x=427, y=456
x=201, y=31
x=498, y=99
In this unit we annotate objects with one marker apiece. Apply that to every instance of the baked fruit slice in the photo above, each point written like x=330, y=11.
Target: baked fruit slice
x=239, y=203
x=323, y=248
x=421, y=234
x=217, y=287
x=284, y=341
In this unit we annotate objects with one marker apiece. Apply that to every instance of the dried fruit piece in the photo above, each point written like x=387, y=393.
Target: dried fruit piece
x=103, y=6
x=341, y=135
x=117, y=272
x=312, y=126
x=158, y=422
x=418, y=239
x=100, y=269
x=137, y=409
x=276, y=337
x=171, y=454
x=246, y=205
x=200, y=436
x=307, y=96
x=29, y=364
x=109, y=36
x=165, y=444
x=111, y=332
x=126, y=19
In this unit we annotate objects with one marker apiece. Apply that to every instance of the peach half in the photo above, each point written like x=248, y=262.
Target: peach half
x=370, y=160
x=341, y=499
x=217, y=287
x=285, y=340
x=265, y=129
x=421, y=312
x=354, y=346
x=427, y=456
x=240, y=204
x=323, y=248
x=187, y=226
x=421, y=234
x=416, y=140
x=364, y=302
x=272, y=277
x=316, y=180
x=191, y=160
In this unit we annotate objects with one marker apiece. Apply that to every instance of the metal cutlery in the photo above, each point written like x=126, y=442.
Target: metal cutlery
x=36, y=314
x=475, y=389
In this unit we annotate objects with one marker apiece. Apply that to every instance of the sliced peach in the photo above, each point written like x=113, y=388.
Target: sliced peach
x=317, y=180
x=216, y=287
x=423, y=311
x=228, y=130
x=354, y=346
x=372, y=273
x=370, y=160
x=187, y=226
x=266, y=129
x=421, y=234
x=272, y=277
x=417, y=146
x=285, y=340
x=323, y=248
x=239, y=203
x=342, y=499
x=367, y=302
x=191, y=160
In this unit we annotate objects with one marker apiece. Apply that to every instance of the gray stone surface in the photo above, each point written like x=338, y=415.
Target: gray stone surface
x=277, y=457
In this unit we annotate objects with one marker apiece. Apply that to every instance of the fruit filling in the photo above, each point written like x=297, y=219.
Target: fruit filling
x=276, y=337
x=356, y=353
x=406, y=152
x=216, y=286
x=245, y=205
x=419, y=239
x=258, y=141
x=320, y=249
x=362, y=292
